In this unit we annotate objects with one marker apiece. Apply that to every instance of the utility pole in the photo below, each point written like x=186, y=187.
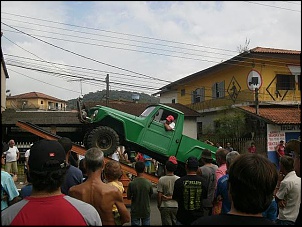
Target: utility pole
x=256, y=100
x=107, y=89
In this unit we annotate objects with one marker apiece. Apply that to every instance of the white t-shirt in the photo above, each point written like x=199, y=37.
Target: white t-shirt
x=115, y=156
x=26, y=155
x=172, y=125
x=11, y=154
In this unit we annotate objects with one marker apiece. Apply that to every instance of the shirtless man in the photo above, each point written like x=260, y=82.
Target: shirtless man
x=97, y=193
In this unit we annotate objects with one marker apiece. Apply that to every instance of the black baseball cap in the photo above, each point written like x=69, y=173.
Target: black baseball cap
x=42, y=152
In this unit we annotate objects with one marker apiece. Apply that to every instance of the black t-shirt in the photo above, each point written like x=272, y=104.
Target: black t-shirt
x=189, y=192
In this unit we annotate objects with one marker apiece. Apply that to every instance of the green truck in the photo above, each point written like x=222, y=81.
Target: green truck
x=146, y=133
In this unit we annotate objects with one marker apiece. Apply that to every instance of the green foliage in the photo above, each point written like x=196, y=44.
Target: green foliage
x=230, y=125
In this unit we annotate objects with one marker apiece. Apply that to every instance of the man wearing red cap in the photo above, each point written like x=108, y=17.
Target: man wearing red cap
x=169, y=124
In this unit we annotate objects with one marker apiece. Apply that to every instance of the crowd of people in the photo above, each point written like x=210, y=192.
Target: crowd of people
x=237, y=188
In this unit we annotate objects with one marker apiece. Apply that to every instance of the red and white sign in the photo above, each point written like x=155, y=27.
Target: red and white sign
x=254, y=80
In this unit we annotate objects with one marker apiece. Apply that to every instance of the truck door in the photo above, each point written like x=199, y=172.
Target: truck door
x=156, y=138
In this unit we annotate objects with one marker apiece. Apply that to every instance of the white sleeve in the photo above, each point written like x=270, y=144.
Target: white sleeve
x=172, y=125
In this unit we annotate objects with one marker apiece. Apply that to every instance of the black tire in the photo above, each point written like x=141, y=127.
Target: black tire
x=104, y=138
x=85, y=139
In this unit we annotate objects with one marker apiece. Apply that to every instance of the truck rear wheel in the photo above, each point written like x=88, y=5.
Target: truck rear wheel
x=104, y=138
x=85, y=139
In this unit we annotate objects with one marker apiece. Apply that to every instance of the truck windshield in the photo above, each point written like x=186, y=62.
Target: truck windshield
x=147, y=111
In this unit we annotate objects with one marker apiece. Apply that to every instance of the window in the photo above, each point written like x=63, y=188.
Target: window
x=41, y=102
x=173, y=100
x=199, y=130
x=182, y=92
x=198, y=95
x=285, y=82
x=199, y=127
x=218, y=90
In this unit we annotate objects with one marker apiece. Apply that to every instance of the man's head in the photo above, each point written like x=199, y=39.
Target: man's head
x=171, y=164
x=221, y=156
x=293, y=147
x=94, y=159
x=47, y=165
x=139, y=167
x=192, y=163
x=11, y=143
x=207, y=156
x=170, y=118
x=66, y=143
x=113, y=170
x=286, y=164
x=230, y=157
x=252, y=181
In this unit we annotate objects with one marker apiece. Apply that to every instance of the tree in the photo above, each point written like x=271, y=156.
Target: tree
x=231, y=125
x=244, y=48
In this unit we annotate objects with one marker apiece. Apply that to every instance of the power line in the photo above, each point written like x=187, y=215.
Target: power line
x=91, y=79
x=20, y=62
x=47, y=61
x=80, y=55
x=114, y=37
x=96, y=44
x=257, y=3
x=44, y=82
x=103, y=30
x=154, y=53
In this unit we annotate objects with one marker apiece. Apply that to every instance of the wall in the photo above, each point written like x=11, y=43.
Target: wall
x=167, y=97
x=190, y=128
x=275, y=133
x=3, y=89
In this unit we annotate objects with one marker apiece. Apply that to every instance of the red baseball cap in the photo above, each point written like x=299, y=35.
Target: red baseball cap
x=173, y=160
x=170, y=118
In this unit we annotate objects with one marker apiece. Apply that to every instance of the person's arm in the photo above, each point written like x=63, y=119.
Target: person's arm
x=129, y=194
x=18, y=153
x=167, y=127
x=277, y=150
x=148, y=158
x=159, y=198
x=279, y=195
x=199, y=172
x=209, y=142
x=122, y=209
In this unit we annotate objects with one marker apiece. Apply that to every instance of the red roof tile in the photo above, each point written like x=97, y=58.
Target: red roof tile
x=32, y=95
x=273, y=51
x=277, y=115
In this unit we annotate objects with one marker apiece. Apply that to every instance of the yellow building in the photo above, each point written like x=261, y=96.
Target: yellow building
x=260, y=76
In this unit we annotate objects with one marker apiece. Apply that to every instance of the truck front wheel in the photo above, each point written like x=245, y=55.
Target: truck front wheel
x=104, y=138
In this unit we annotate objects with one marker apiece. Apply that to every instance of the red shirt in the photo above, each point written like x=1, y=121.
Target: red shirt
x=53, y=210
x=280, y=149
x=252, y=149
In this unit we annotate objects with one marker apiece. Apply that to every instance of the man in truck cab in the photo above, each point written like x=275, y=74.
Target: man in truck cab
x=169, y=124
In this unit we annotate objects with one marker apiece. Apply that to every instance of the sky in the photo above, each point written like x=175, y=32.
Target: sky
x=69, y=48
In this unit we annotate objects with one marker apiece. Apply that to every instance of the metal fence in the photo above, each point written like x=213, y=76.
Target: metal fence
x=242, y=144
